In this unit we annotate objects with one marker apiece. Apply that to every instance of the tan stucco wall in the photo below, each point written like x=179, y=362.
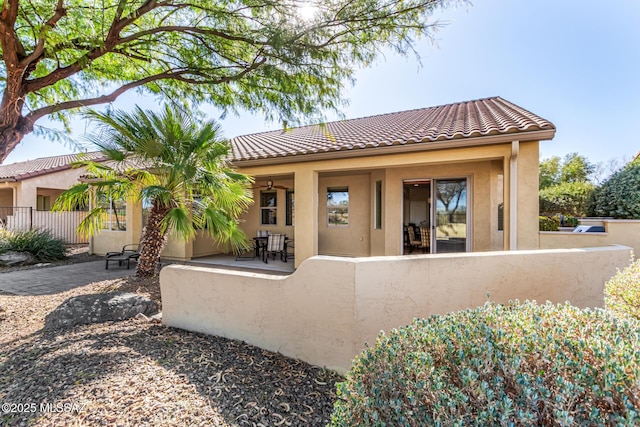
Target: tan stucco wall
x=111, y=240
x=479, y=163
x=618, y=232
x=327, y=310
x=479, y=197
x=62, y=180
x=6, y=197
x=528, y=201
x=108, y=241
x=353, y=239
x=251, y=218
x=377, y=235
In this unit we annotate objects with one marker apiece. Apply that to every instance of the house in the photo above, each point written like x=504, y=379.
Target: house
x=467, y=172
x=29, y=189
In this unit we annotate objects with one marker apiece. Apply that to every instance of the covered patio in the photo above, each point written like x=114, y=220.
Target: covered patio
x=464, y=175
x=231, y=262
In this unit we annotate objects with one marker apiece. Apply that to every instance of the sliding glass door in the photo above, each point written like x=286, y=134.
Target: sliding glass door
x=450, y=215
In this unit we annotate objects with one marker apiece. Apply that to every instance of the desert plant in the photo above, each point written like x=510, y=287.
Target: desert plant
x=515, y=364
x=173, y=162
x=40, y=243
x=549, y=223
x=622, y=291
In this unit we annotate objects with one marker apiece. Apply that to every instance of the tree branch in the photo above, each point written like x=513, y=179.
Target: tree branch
x=31, y=61
x=186, y=30
x=179, y=75
x=11, y=47
x=111, y=41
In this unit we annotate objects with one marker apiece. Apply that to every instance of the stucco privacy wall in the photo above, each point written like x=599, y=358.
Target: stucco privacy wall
x=618, y=232
x=327, y=310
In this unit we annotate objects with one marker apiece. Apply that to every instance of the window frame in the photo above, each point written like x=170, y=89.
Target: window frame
x=273, y=210
x=377, y=207
x=340, y=205
x=290, y=208
x=112, y=207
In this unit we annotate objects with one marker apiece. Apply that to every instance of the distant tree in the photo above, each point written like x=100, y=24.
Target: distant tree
x=619, y=196
x=176, y=165
x=567, y=198
x=604, y=169
x=576, y=168
x=549, y=172
x=564, y=185
x=285, y=58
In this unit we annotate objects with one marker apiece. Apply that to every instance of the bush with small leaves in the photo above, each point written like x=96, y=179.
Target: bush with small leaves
x=622, y=291
x=40, y=243
x=549, y=223
x=519, y=364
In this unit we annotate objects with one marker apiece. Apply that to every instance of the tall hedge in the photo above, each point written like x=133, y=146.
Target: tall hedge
x=619, y=196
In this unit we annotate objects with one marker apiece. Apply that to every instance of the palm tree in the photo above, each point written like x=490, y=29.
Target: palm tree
x=173, y=164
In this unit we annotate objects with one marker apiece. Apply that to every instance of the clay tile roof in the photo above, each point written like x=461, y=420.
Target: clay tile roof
x=482, y=117
x=30, y=168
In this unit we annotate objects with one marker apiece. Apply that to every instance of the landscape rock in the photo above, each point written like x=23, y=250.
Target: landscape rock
x=99, y=308
x=10, y=258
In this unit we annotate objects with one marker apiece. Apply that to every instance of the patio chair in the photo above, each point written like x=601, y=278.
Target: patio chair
x=251, y=251
x=413, y=241
x=275, y=243
x=290, y=249
x=128, y=253
x=425, y=239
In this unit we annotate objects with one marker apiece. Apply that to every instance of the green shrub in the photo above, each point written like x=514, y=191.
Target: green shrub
x=514, y=365
x=622, y=291
x=571, y=221
x=619, y=196
x=40, y=243
x=549, y=223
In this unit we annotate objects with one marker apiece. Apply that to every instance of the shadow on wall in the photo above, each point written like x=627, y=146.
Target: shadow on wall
x=330, y=307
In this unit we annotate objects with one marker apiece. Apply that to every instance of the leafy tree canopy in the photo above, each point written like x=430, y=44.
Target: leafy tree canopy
x=267, y=55
x=564, y=184
x=619, y=196
x=572, y=168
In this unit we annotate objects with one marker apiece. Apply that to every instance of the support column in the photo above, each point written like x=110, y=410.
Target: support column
x=513, y=196
x=306, y=228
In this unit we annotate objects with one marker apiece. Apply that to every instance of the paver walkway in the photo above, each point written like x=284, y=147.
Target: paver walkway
x=52, y=280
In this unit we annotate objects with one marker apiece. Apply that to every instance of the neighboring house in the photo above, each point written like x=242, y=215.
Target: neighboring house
x=29, y=189
x=467, y=172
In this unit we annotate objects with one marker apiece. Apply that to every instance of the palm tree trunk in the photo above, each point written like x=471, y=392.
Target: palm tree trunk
x=152, y=243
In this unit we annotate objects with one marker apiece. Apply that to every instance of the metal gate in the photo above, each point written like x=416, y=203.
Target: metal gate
x=62, y=225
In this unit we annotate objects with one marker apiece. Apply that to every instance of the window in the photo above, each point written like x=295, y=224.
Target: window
x=268, y=207
x=115, y=214
x=378, y=206
x=43, y=203
x=338, y=207
x=290, y=213
x=500, y=199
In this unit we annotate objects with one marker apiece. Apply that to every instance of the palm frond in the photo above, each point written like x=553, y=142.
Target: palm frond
x=92, y=223
x=179, y=220
x=72, y=198
x=172, y=160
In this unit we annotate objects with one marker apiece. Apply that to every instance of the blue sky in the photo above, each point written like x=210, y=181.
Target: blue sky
x=575, y=63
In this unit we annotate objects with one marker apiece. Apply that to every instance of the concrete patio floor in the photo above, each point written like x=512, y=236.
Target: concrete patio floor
x=248, y=264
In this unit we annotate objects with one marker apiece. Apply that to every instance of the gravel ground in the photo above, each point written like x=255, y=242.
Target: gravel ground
x=140, y=373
